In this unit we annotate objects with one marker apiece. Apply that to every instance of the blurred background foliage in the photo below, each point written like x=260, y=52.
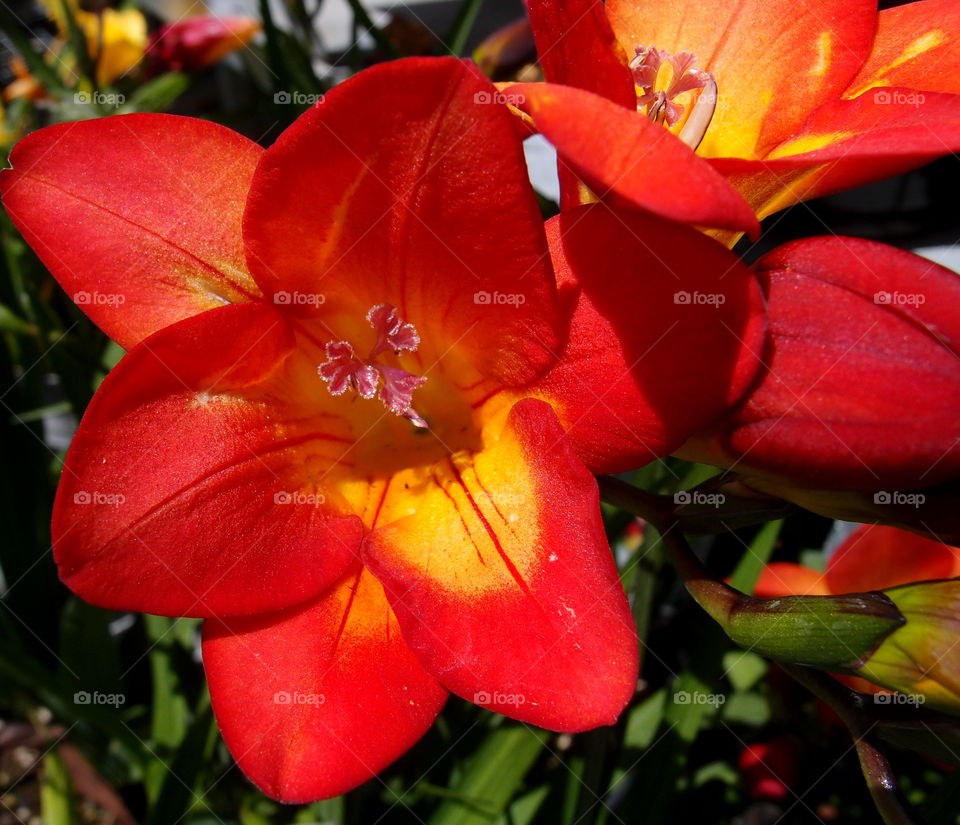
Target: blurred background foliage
x=715, y=734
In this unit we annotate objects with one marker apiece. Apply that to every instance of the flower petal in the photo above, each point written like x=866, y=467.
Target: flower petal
x=847, y=143
x=663, y=315
x=315, y=701
x=630, y=160
x=917, y=45
x=503, y=582
x=773, y=60
x=407, y=184
x=186, y=492
x=875, y=557
x=137, y=216
x=783, y=578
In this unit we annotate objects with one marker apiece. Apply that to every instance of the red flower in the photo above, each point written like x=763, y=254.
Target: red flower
x=769, y=769
x=356, y=424
x=198, y=42
x=788, y=102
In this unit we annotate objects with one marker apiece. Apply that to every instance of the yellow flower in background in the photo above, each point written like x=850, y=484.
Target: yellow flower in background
x=116, y=41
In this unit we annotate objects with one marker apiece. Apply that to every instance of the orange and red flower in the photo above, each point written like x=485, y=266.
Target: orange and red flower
x=364, y=395
x=788, y=101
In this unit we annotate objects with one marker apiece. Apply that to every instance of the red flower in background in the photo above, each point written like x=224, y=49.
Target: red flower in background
x=356, y=426
x=809, y=98
x=199, y=42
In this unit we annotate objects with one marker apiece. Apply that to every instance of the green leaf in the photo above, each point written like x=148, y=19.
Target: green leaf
x=644, y=720
x=755, y=557
x=157, y=94
x=456, y=38
x=746, y=709
x=56, y=791
x=492, y=776
x=180, y=780
x=744, y=669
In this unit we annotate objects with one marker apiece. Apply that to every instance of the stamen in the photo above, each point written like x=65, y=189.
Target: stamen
x=660, y=105
x=394, y=387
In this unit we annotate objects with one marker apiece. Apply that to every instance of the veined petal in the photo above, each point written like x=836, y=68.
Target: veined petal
x=192, y=489
x=875, y=557
x=917, y=45
x=407, y=184
x=317, y=700
x=137, y=216
x=630, y=160
x=773, y=60
x=661, y=314
x=503, y=583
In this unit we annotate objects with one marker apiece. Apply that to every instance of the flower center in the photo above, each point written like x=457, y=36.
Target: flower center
x=672, y=91
x=394, y=387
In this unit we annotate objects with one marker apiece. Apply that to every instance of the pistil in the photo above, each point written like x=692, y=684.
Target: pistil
x=660, y=104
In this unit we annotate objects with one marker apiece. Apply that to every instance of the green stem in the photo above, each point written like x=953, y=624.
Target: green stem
x=874, y=763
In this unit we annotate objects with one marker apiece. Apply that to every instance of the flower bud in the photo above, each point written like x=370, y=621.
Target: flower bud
x=862, y=378
x=922, y=658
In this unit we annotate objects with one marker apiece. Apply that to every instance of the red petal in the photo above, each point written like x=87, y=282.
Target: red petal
x=137, y=216
x=408, y=185
x=666, y=334
x=774, y=60
x=630, y=160
x=875, y=557
x=504, y=585
x=782, y=578
x=187, y=493
x=315, y=701
x=863, y=370
x=917, y=45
